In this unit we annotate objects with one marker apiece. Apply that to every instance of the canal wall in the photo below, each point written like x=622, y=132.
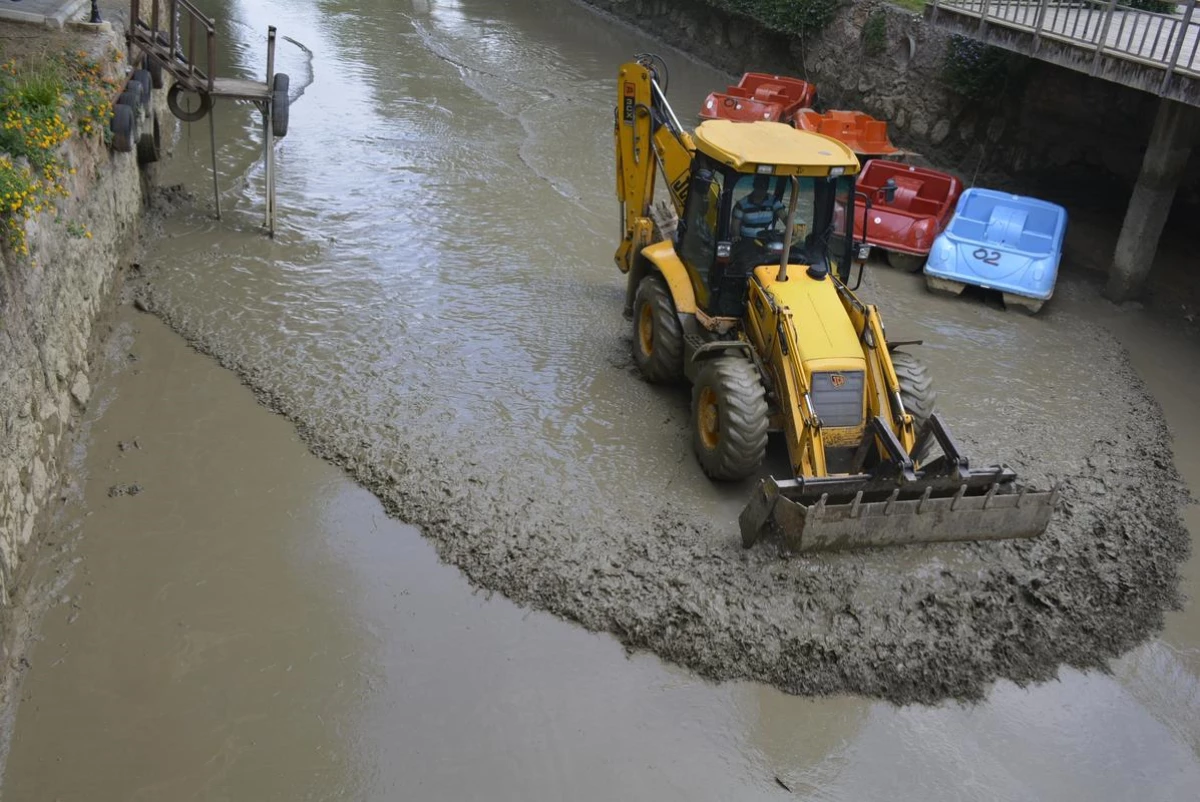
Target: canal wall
x=54, y=302
x=996, y=119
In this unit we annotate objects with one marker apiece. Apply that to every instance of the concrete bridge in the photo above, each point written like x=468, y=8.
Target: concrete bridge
x=1152, y=52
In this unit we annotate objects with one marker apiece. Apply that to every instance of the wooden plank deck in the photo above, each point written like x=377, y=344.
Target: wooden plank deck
x=240, y=89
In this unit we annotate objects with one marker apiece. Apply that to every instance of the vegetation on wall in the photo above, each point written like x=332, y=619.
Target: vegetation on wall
x=874, y=33
x=794, y=17
x=979, y=71
x=37, y=101
x=1157, y=6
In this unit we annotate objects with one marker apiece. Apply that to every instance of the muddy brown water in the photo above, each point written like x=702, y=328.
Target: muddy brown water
x=440, y=316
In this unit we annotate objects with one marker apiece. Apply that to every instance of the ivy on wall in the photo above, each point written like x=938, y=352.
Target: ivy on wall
x=874, y=33
x=1157, y=6
x=795, y=17
x=980, y=71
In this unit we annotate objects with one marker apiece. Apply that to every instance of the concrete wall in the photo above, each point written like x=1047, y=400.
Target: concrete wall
x=1052, y=132
x=52, y=308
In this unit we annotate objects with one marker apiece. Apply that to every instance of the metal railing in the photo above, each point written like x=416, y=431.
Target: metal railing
x=175, y=44
x=1104, y=27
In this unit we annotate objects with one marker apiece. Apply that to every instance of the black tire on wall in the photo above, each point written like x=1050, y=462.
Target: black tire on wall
x=149, y=145
x=131, y=98
x=143, y=78
x=124, y=128
x=153, y=66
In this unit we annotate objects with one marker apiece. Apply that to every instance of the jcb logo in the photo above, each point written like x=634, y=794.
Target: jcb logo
x=837, y=380
x=680, y=188
x=628, y=103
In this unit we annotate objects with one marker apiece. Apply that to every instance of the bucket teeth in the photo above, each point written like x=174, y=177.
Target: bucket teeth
x=852, y=512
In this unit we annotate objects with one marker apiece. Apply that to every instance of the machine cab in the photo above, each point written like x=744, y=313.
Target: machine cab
x=736, y=212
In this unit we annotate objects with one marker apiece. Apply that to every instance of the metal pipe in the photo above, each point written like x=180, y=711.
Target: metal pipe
x=212, y=141
x=270, y=56
x=675, y=126
x=787, y=229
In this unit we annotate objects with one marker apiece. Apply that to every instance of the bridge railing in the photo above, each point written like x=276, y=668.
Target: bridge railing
x=1105, y=27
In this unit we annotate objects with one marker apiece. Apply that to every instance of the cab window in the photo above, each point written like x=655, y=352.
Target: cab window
x=698, y=240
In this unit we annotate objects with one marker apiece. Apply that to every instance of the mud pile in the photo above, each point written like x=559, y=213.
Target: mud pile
x=911, y=624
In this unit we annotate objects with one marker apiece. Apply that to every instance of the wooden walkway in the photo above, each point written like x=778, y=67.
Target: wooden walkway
x=1161, y=52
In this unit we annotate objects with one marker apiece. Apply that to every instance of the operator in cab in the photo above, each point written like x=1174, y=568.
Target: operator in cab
x=756, y=212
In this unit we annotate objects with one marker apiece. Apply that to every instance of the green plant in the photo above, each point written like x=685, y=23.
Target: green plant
x=1156, y=6
x=874, y=33
x=36, y=101
x=976, y=70
x=795, y=17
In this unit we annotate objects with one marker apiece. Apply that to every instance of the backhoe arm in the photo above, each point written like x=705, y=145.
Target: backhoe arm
x=646, y=134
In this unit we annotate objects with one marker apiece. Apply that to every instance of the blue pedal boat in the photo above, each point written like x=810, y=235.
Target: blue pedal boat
x=999, y=241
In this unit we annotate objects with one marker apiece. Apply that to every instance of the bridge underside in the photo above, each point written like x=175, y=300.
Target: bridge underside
x=1176, y=126
x=1114, y=66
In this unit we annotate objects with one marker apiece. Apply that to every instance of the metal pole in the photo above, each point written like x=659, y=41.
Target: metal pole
x=95, y=18
x=268, y=146
x=1187, y=20
x=1103, y=38
x=983, y=18
x=270, y=56
x=1041, y=20
x=212, y=140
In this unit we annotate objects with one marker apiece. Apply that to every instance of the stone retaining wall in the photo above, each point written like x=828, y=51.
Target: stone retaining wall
x=53, y=305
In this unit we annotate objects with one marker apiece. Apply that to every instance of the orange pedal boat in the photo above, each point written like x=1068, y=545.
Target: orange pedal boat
x=760, y=96
x=860, y=132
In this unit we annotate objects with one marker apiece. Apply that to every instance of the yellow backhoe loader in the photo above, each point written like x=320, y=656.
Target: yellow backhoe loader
x=742, y=286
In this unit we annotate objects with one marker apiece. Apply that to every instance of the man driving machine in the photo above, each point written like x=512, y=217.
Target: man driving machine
x=756, y=212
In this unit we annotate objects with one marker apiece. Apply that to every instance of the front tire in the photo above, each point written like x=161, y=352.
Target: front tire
x=657, y=334
x=916, y=393
x=729, y=418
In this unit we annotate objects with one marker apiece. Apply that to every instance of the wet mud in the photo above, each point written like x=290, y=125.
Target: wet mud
x=914, y=624
x=472, y=371
x=254, y=626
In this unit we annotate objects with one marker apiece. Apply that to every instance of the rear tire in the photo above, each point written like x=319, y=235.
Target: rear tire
x=657, y=334
x=729, y=418
x=916, y=393
x=908, y=262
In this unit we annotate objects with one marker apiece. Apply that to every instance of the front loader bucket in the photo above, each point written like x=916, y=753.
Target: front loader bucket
x=806, y=518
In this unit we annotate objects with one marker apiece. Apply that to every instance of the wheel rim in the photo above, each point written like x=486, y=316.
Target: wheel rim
x=708, y=423
x=646, y=330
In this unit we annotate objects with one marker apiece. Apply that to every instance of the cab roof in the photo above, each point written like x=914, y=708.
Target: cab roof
x=746, y=145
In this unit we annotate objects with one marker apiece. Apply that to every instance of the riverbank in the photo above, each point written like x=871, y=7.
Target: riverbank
x=71, y=216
